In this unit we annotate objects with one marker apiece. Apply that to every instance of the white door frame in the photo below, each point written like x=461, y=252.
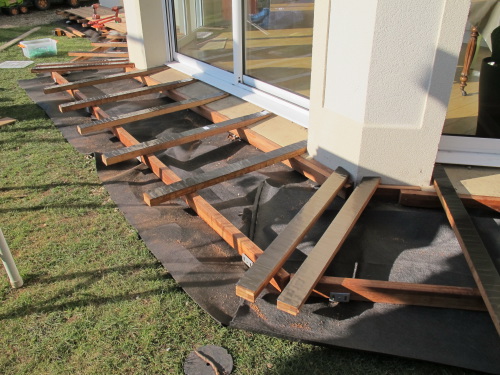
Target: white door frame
x=280, y=101
x=463, y=150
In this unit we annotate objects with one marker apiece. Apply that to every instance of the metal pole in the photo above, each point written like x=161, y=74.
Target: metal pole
x=15, y=279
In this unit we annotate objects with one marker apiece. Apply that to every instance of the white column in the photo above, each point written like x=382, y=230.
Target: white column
x=146, y=32
x=381, y=79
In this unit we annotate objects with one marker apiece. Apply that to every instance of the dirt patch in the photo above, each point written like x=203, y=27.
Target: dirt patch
x=33, y=18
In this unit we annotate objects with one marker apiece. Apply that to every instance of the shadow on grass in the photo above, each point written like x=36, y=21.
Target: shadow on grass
x=55, y=206
x=48, y=186
x=24, y=112
x=87, y=296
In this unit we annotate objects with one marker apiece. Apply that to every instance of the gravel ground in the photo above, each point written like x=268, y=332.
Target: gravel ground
x=33, y=18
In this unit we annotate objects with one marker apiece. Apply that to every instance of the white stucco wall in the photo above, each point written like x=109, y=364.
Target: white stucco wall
x=381, y=80
x=146, y=32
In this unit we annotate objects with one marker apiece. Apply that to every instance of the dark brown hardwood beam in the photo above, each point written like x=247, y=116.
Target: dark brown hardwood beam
x=78, y=67
x=300, y=287
x=112, y=54
x=99, y=100
x=480, y=263
x=201, y=181
x=277, y=253
x=148, y=113
x=96, y=81
x=163, y=143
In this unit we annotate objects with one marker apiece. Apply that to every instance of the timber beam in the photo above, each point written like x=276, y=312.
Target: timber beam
x=66, y=107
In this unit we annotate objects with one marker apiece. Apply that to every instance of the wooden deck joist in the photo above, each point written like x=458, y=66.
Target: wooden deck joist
x=99, y=100
x=111, y=45
x=430, y=199
x=148, y=113
x=480, y=263
x=276, y=254
x=96, y=81
x=300, y=287
x=223, y=227
x=76, y=67
x=163, y=143
x=110, y=54
x=450, y=297
x=201, y=181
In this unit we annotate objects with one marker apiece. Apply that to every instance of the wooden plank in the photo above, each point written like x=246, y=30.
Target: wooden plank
x=110, y=54
x=276, y=254
x=430, y=199
x=201, y=181
x=398, y=293
x=223, y=227
x=76, y=32
x=150, y=147
x=78, y=63
x=111, y=44
x=124, y=95
x=105, y=79
x=480, y=263
x=148, y=113
x=18, y=39
x=74, y=67
x=6, y=121
x=309, y=273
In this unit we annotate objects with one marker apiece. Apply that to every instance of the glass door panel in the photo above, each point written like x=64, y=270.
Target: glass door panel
x=278, y=43
x=204, y=31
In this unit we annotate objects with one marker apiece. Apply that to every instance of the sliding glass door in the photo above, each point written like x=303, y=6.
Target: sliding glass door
x=278, y=44
x=264, y=44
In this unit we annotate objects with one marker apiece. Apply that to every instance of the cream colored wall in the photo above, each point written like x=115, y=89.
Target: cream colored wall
x=146, y=32
x=111, y=3
x=382, y=74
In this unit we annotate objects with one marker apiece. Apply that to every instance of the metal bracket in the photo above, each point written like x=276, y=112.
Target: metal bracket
x=246, y=260
x=340, y=297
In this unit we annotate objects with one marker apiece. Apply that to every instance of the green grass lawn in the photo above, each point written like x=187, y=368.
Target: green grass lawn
x=95, y=300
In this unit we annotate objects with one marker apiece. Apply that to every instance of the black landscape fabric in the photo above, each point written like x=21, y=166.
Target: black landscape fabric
x=390, y=242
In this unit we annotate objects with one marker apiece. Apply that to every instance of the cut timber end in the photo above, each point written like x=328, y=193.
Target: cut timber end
x=245, y=293
x=292, y=310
